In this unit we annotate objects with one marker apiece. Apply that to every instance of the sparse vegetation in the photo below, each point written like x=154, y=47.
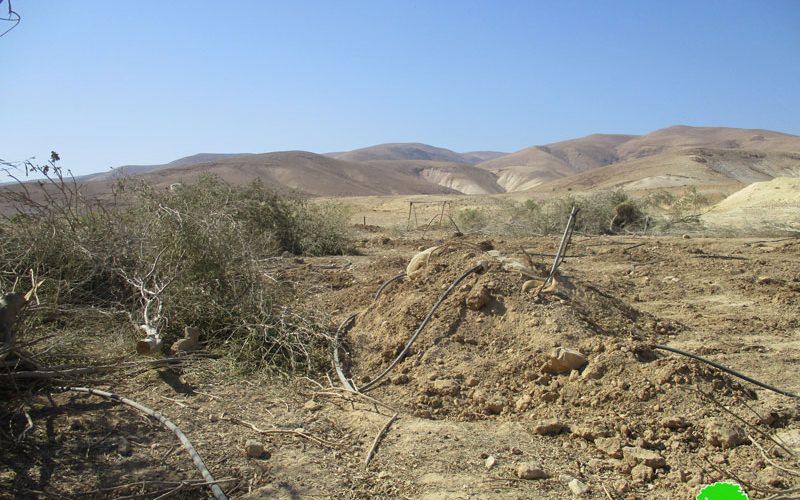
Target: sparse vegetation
x=194, y=255
x=472, y=219
x=602, y=212
x=677, y=211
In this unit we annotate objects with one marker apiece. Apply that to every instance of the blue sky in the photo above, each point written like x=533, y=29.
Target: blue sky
x=107, y=83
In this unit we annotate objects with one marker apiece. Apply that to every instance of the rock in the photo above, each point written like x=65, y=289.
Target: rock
x=642, y=473
x=586, y=432
x=611, y=446
x=549, y=427
x=446, y=387
x=531, y=471
x=123, y=446
x=549, y=396
x=400, y=379
x=620, y=486
x=478, y=298
x=253, y=448
x=471, y=381
x=790, y=438
x=674, y=423
x=578, y=488
x=724, y=435
x=594, y=371
x=494, y=407
x=564, y=360
x=636, y=455
x=599, y=465
x=489, y=462
x=772, y=477
x=523, y=403
x=312, y=405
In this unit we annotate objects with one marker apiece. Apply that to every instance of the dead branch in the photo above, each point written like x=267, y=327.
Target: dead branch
x=68, y=372
x=10, y=306
x=749, y=485
x=198, y=461
x=291, y=432
x=378, y=439
x=348, y=395
x=719, y=405
x=792, y=472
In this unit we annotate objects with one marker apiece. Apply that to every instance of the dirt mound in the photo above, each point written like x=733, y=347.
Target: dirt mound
x=479, y=362
x=576, y=365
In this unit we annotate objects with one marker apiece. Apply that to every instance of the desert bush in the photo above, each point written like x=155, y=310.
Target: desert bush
x=600, y=212
x=676, y=211
x=192, y=256
x=471, y=219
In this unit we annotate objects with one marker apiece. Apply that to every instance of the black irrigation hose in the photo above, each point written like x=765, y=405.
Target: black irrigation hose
x=726, y=370
x=374, y=382
x=387, y=283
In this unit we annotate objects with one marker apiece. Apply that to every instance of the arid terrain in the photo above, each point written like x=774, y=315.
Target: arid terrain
x=512, y=386
x=474, y=404
x=715, y=159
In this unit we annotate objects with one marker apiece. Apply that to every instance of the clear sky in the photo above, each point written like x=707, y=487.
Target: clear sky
x=113, y=82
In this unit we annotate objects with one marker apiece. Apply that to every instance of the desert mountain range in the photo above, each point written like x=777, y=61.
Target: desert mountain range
x=708, y=157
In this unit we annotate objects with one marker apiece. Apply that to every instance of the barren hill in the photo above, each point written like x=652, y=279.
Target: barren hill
x=532, y=166
x=681, y=137
x=718, y=158
x=464, y=179
x=414, y=151
x=311, y=173
x=186, y=161
x=723, y=169
x=675, y=155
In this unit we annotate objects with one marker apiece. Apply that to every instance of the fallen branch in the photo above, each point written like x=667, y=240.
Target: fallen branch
x=351, y=396
x=378, y=439
x=56, y=373
x=292, y=432
x=144, y=483
x=719, y=405
x=750, y=486
x=198, y=461
x=792, y=472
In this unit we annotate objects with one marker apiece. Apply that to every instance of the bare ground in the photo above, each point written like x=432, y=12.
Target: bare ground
x=473, y=391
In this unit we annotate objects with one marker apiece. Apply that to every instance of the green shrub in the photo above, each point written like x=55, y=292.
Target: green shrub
x=471, y=219
x=600, y=212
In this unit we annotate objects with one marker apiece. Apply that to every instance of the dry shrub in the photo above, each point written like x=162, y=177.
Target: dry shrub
x=601, y=212
x=189, y=256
